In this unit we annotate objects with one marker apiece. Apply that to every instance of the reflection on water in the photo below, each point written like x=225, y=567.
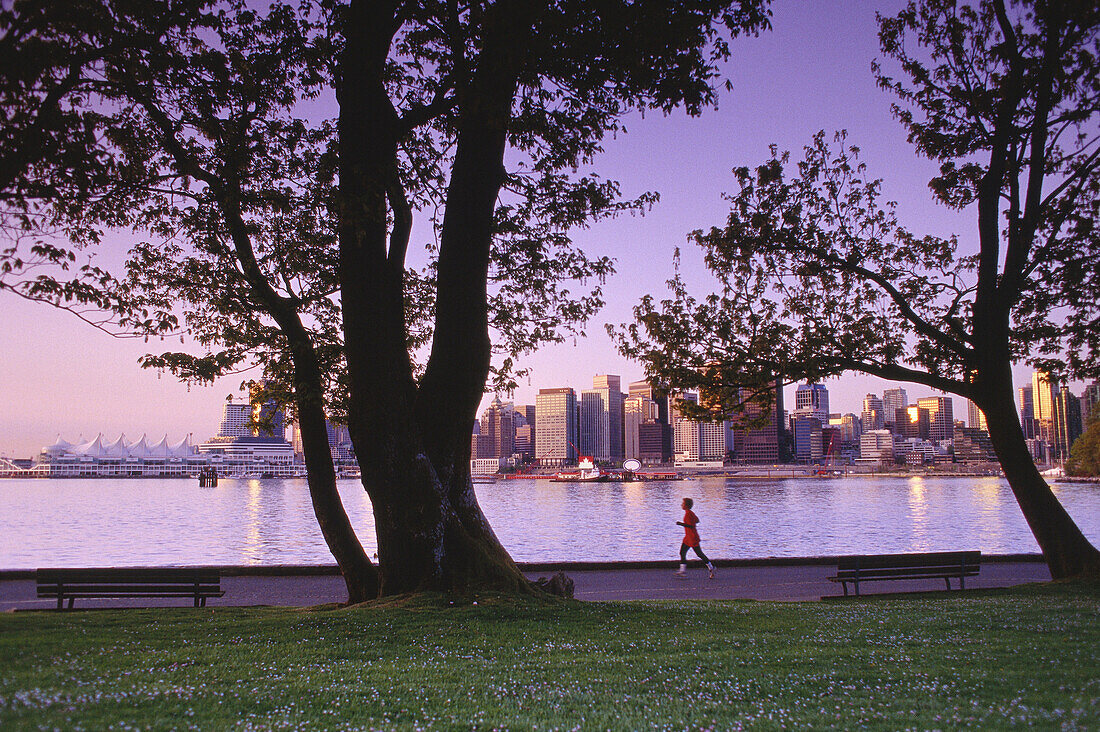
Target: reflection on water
x=143, y=522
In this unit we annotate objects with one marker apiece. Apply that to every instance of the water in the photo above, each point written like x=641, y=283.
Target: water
x=174, y=522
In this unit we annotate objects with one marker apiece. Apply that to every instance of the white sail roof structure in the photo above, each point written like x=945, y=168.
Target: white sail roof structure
x=139, y=449
x=94, y=448
x=118, y=448
x=182, y=448
x=59, y=447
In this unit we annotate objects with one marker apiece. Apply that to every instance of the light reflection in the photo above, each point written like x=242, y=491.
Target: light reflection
x=918, y=514
x=253, y=544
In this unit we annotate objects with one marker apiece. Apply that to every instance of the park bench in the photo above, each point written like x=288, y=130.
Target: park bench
x=931, y=565
x=69, y=584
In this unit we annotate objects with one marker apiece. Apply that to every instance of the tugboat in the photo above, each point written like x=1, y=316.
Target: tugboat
x=586, y=472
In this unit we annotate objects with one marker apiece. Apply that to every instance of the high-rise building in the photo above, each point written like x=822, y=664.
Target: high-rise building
x=812, y=400
x=697, y=441
x=268, y=418
x=1090, y=402
x=645, y=389
x=556, y=426
x=893, y=400
x=1043, y=391
x=941, y=417
x=1067, y=425
x=1027, y=412
x=972, y=445
x=754, y=436
x=874, y=413
x=605, y=425
x=912, y=422
x=236, y=419
x=637, y=410
x=975, y=418
x=877, y=446
x=654, y=440
x=807, y=439
x=496, y=438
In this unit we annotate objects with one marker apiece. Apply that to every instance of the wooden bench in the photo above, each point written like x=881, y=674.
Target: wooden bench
x=932, y=565
x=69, y=584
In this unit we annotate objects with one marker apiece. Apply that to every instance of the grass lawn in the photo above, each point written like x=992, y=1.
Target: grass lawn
x=995, y=659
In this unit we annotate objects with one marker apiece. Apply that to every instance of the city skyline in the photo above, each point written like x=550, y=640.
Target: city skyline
x=61, y=376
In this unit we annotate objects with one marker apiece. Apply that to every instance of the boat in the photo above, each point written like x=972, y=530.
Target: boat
x=586, y=472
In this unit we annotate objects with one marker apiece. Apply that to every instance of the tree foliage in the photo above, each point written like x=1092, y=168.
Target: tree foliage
x=817, y=276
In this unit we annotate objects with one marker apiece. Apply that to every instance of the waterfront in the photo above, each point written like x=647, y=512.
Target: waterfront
x=174, y=522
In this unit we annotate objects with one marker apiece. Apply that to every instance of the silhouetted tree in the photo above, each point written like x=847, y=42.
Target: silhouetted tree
x=818, y=277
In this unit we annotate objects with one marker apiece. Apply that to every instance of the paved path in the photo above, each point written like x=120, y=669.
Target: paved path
x=787, y=582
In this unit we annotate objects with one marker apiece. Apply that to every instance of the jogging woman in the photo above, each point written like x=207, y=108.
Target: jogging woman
x=691, y=539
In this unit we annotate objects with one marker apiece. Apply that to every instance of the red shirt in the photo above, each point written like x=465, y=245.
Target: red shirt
x=691, y=536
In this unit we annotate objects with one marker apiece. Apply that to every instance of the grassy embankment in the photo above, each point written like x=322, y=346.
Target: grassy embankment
x=1023, y=657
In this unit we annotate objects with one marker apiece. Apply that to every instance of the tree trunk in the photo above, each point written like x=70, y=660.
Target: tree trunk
x=1066, y=550
x=360, y=575
x=413, y=441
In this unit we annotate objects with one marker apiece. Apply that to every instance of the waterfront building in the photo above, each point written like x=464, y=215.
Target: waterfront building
x=609, y=440
x=972, y=445
x=807, y=439
x=1067, y=425
x=654, y=439
x=497, y=431
x=874, y=413
x=1043, y=402
x=593, y=429
x=695, y=441
x=525, y=442
x=877, y=446
x=100, y=458
x=1090, y=402
x=812, y=400
x=755, y=435
x=556, y=426
x=263, y=450
x=637, y=410
x=893, y=400
x=1027, y=412
x=912, y=422
x=941, y=417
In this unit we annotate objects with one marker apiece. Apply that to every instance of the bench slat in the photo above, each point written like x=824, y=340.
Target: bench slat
x=114, y=582
x=930, y=565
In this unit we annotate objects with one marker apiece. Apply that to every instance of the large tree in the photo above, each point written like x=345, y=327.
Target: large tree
x=546, y=82
x=266, y=209
x=818, y=277
x=180, y=121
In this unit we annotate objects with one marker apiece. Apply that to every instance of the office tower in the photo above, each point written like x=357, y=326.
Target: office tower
x=756, y=443
x=807, y=439
x=1090, y=402
x=1042, y=399
x=592, y=426
x=1027, y=412
x=975, y=418
x=874, y=413
x=812, y=400
x=556, y=426
x=972, y=445
x=525, y=442
x=892, y=401
x=941, y=417
x=606, y=429
x=912, y=421
x=637, y=410
x=496, y=438
x=644, y=389
x=1066, y=422
x=877, y=446
x=685, y=432
x=236, y=419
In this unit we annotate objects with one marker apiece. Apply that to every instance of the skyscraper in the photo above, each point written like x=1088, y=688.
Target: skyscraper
x=1066, y=423
x=556, y=426
x=874, y=413
x=1027, y=412
x=498, y=432
x=754, y=436
x=610, y=390
x=941, y=417
x=812, y=400
x=892, y=401
x=637, y=410
x=697, y=441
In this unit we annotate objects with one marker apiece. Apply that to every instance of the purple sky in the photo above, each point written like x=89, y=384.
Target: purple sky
x=811, y=72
